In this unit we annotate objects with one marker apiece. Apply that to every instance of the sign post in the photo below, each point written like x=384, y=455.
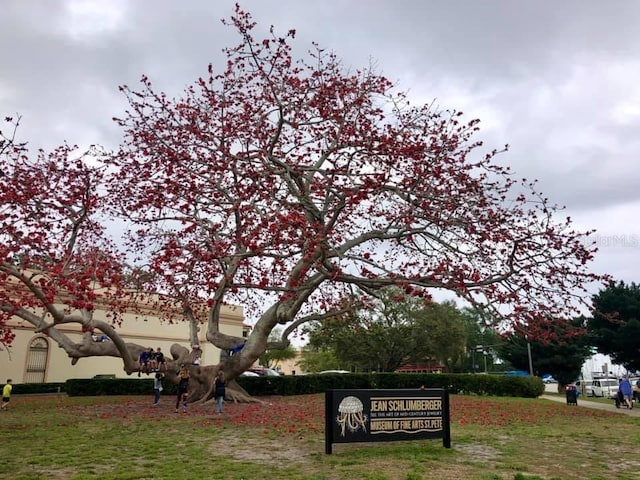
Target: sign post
x=386, y=415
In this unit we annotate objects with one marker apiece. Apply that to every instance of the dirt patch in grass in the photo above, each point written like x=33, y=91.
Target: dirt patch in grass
x=481, y=453
x=59, y=474
x=254, y=450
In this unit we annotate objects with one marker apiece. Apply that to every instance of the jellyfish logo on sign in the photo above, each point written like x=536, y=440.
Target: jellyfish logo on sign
x=351, y=415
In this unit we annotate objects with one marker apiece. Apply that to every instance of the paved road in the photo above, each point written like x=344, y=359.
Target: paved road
x=611, y=407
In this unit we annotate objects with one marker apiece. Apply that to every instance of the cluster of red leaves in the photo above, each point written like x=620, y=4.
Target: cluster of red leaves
x=302, y=415
x=468, y=410
x=295, y=415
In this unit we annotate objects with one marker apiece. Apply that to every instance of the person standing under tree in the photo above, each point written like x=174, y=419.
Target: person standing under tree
x=6, y=394
x=157, y=388
x=220, y=390
x=183, y=388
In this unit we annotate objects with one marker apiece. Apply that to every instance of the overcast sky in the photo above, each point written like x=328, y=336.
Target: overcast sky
x=558, y=81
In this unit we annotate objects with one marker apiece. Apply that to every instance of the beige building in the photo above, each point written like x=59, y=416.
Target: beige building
x=35, y=358
x=290, y=367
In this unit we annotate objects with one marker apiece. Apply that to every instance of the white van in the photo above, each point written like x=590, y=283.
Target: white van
x=584, y=387
x=604, y=387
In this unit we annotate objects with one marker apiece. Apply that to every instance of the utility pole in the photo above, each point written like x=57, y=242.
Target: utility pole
x=530, y=361
x=473, y=361
x=478, y=348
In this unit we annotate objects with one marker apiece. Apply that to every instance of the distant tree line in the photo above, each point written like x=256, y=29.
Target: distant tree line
x=398, y=329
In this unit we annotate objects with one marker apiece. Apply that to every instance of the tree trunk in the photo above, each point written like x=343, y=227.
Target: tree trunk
x=202, y=377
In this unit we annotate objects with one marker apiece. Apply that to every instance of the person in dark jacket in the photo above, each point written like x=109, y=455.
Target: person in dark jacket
x=161, y=363
x=220, y=388
x=183, y=388
x=143, y=361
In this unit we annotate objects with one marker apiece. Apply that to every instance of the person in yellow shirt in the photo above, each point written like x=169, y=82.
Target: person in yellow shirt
x=6, y=394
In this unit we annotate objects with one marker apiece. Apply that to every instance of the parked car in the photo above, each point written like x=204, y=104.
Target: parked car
x=584, y=387
x=264, y=372
x=604, y=387
x=249, y=374
x=325, y=372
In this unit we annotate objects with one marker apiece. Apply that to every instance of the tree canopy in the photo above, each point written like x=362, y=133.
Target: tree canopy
x=443, y=333
x=615, y=324
x=314, y=360
x=288, y=185
x=272, y=356
x=481, y=342
x=395, y=330
x=560, y=351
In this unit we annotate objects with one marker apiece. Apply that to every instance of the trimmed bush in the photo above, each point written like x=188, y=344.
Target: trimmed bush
x=499, y=385
x=37, y=388
x=80, y=387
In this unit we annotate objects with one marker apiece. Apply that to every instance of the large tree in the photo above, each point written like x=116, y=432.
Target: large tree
x=615, y=324
x=314, y=360
x=396, y=329
x=481, y=342
x=286, y=184
x=443, y=335
x=272, y=356
x=557, y=346
x=376, y=336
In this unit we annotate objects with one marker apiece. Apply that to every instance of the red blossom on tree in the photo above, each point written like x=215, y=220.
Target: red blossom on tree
x=55, y=262
x=288, y=184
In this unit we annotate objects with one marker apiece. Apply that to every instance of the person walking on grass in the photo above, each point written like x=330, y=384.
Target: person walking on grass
x=6, y=394
x=220, y=387
x=157, y=388
x=183, y=388
x=627, y=392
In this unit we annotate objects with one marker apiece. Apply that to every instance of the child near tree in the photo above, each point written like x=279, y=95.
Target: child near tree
x=6, y=394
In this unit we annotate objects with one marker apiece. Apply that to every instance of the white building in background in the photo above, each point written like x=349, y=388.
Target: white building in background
x=601, y=365
x=35, y=358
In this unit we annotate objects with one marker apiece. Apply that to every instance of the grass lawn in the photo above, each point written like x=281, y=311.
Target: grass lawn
x=56, y=437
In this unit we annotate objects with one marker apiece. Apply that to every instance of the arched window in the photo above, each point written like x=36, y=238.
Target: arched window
x=37, y=360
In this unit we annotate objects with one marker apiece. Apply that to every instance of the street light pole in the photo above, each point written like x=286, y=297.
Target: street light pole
x=530, y=361
x=478, y=348
x=473, y=361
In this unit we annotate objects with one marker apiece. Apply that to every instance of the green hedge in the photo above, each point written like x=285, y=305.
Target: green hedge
x=499, y=385
x=79, y=387
x=37, y=388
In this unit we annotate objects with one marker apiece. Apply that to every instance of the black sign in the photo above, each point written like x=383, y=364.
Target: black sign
x=386, y=415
